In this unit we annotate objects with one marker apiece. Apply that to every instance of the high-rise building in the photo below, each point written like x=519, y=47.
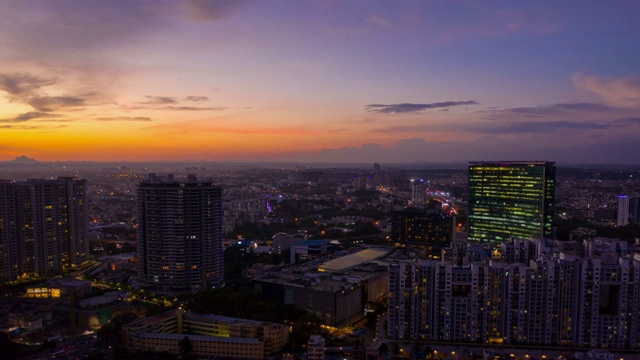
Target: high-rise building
x=43, y=227
x=533, y=292
x=511, y=199
x=424, y=228
x=417, y=192
x=623, y=210
x=179, y=234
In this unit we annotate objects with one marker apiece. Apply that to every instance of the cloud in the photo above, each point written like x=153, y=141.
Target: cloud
x=409, y=128
x=51, y=103
x=158, y=100
x=31, y=127
x=552, y=109
x=172, y=104
x=124, y=118
x=606, y=151
x=75, y=28
x=208, y=10
x=634, y=120
x=623, y=92
x=74, y=25
x=379, y=20
x=535, y=127
x=187, y=128
x=583, y=106
x=172, y=108
x=196, y=98
x=27, y=116
x=20, y=84
x=512, y=127
x=409, y=108
x=28, y=89
x=538, y=127
x=192, y=108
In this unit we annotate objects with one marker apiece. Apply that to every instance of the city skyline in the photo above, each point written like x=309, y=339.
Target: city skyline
x=320, y=81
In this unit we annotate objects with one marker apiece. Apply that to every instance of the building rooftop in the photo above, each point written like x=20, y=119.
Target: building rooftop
x=155, y=318
x=75, y=283
x=220, y=318
x=235, y=340
x=312, y=242
x=355, y=259
x=507, y=163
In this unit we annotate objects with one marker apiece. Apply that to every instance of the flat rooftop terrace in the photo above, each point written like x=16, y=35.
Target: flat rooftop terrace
x=355, y=259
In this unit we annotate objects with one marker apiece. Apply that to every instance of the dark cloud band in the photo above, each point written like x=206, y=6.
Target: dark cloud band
x=27, y=116
x=409, y=107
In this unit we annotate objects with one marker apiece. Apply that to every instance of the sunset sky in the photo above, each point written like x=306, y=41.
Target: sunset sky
x=326, y=81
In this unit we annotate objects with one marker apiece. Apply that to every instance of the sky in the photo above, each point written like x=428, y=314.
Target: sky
x=320, y=81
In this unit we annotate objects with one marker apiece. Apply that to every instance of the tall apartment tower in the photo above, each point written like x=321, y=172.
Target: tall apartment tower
x=417, y=193
x=511, y=199
x=179, y=234
x=43, y=227
x=528, y=292
x=623, y=210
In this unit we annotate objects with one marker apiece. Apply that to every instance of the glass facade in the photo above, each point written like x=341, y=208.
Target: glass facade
x=511, y=199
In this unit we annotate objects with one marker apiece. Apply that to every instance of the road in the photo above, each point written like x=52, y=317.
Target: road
x=76, y=348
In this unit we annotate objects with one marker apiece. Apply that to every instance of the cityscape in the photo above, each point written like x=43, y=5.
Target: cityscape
x=363, y=180
x=117, y=261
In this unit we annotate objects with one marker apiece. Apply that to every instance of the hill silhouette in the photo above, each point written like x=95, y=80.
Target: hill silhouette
x=24, y=160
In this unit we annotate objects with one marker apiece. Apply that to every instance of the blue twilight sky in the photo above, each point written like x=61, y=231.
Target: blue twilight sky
x=344, y=81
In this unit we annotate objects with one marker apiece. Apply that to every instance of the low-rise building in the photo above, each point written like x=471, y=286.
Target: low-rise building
x=334, y=291
x=315, y=348
x=308, y=250
x=29, y=319
x=60, y=289
x=209, y=335
x=202, y=345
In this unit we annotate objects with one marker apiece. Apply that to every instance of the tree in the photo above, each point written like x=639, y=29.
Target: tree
x=417, y=351
x=305, y=326
x=120, y=352
x=8, y=348
x=185, y=345
x=395, y=349
x=111, y=332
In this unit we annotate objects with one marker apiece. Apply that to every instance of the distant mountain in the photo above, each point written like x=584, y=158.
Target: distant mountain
x=24, y=160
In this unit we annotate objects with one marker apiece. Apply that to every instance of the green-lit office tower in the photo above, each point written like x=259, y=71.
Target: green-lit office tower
x=511, y=198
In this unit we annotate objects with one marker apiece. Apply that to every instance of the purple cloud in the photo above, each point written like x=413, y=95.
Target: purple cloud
x=412, y=108
x=21, y=84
